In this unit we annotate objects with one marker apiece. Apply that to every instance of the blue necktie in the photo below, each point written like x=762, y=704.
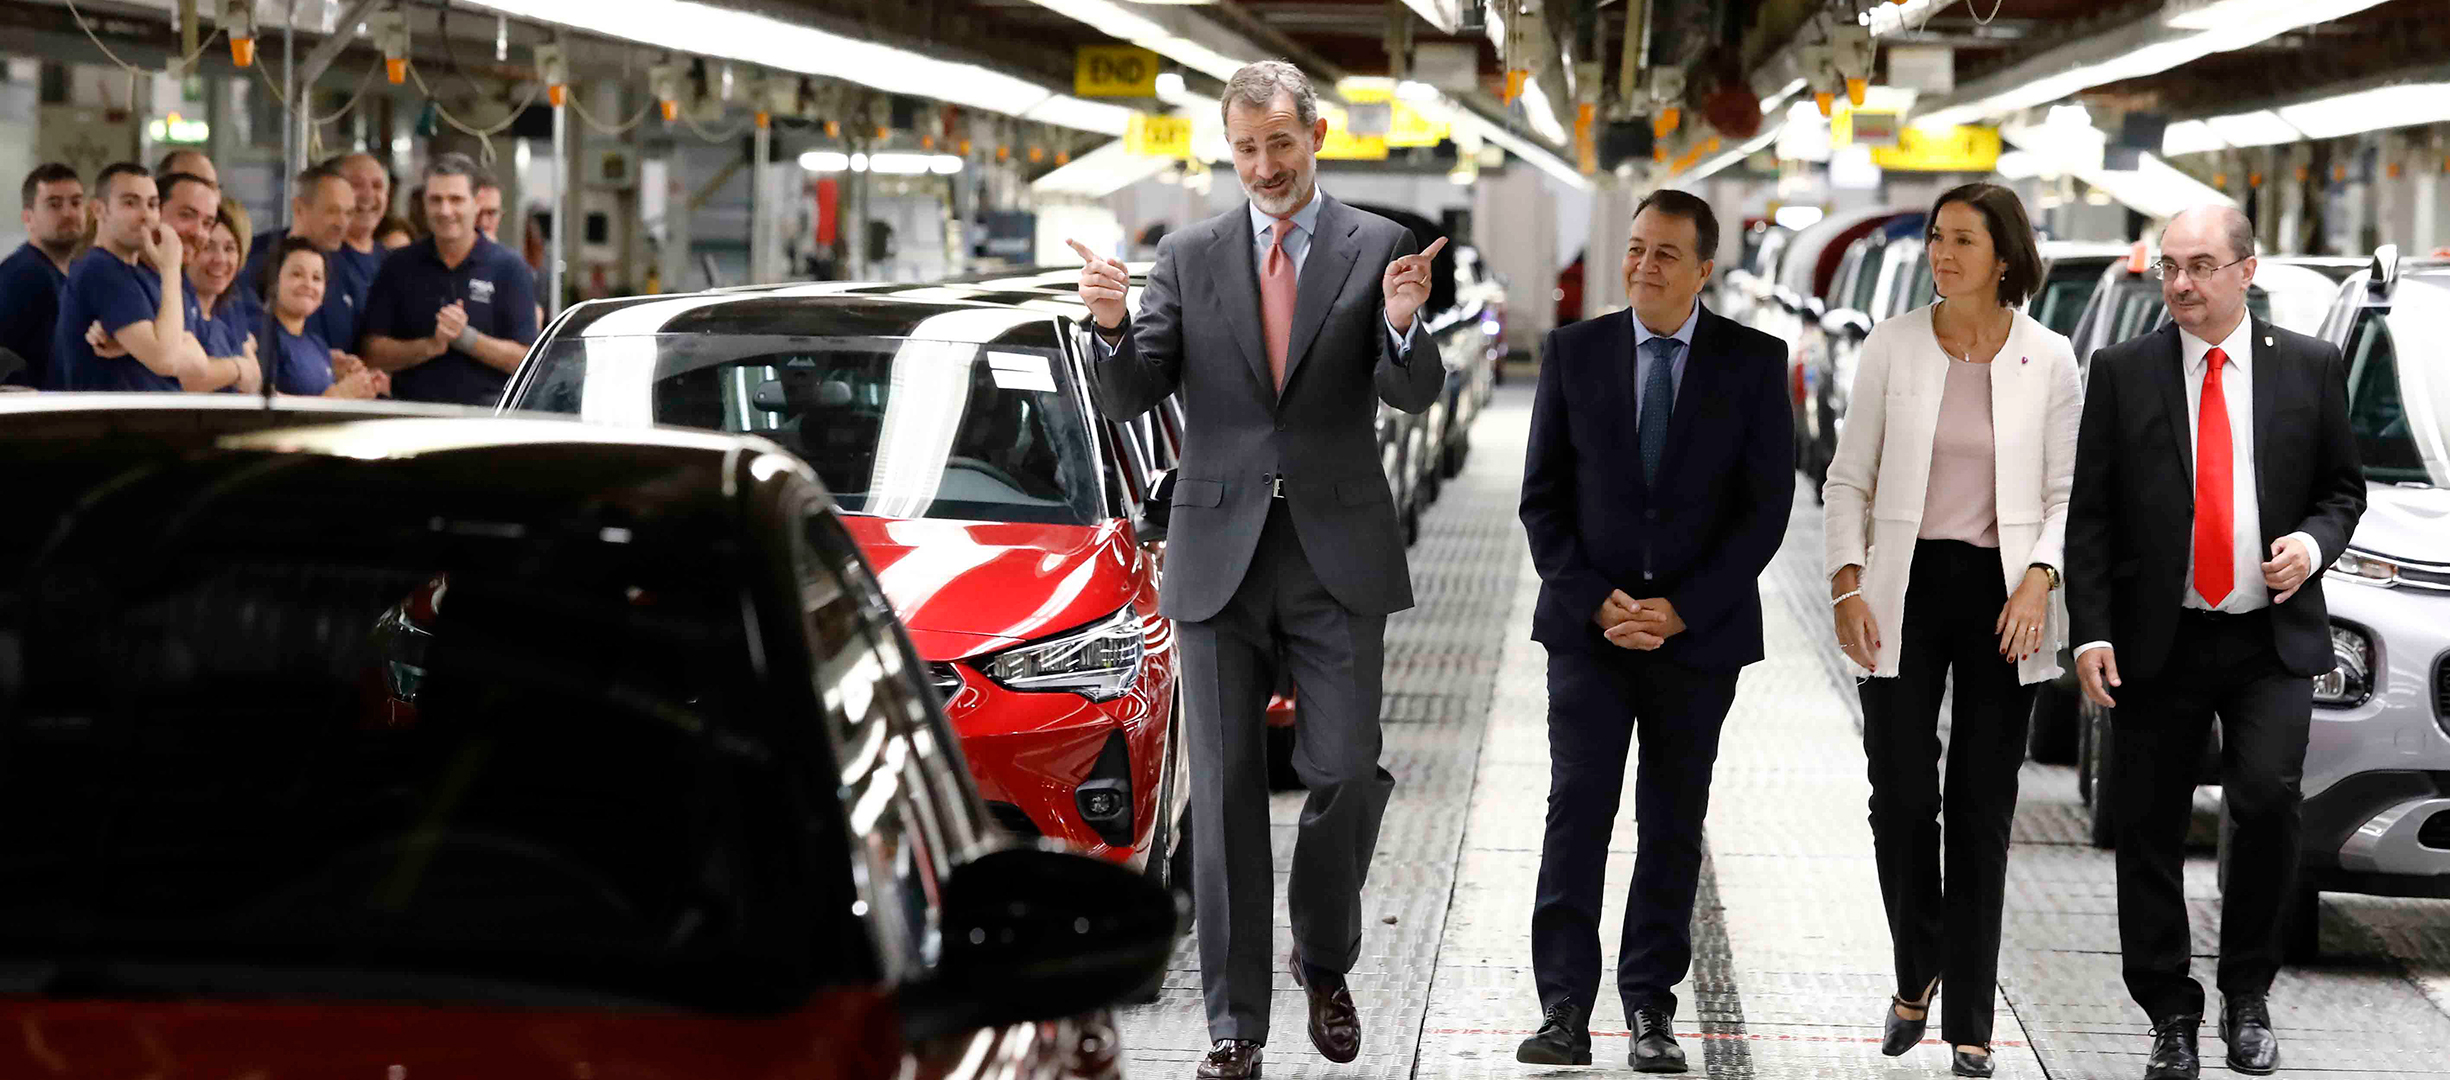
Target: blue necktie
x=1658, y=401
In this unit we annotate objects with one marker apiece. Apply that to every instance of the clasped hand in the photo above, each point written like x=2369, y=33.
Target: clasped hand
x=1641, y=625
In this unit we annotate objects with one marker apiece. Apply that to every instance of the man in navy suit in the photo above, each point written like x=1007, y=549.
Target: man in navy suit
x=1658, y=484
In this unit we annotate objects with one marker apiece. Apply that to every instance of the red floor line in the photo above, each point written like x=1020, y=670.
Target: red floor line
x=1746, y=1036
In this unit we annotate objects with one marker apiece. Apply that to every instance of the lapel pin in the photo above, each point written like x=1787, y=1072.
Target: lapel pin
x=2024, y=359
x=2267, y=343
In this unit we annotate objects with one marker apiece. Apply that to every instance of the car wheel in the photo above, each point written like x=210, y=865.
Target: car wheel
x=1281, y=774
x=2092, y=768
x=2051, y=739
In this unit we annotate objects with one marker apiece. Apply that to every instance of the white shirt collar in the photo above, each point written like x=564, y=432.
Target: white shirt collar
x=1305, y=220
x=2239, y=346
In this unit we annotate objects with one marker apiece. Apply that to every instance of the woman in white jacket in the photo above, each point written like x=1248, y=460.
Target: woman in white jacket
x=1947, y=510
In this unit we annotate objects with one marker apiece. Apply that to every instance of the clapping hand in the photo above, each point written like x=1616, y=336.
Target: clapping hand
x=449, y=323
x=1103, y=284
x=1406, y=284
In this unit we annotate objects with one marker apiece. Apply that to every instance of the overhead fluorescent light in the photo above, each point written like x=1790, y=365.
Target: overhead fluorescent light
x=2404, y=105
x=2152, y=187
x=687, y=26
x=1169, y=82
x=1187, y=39
x=826, y=161
x=1538, y=156
x=1799, y=218
x=2207, y=14
x=2249, y=25
x=1543, y=117
x=2020, y=164
x=1891, y=18
x=1704, y=169
x=1771, y=103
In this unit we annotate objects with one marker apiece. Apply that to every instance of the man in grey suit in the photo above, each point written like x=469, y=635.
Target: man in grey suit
x=1277, y=323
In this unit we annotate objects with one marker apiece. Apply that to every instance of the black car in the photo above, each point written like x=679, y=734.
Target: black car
x=338, y=740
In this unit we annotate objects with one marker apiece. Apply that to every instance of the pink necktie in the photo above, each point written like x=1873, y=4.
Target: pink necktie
x=1276, y=303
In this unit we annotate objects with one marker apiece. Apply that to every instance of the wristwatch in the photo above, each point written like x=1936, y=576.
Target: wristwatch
x=2052, y=573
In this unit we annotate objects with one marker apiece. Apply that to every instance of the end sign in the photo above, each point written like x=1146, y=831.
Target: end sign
x=1114, y=71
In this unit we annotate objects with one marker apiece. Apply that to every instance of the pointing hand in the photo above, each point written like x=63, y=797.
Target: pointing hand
x=1103, y=283
x=1406, y=284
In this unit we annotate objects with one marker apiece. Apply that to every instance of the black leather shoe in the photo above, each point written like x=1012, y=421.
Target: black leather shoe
x=1899, y=1034
x=2245, y=1024
x=2174, y=1050
x=1335, y=1025
x=1231, y=1059
x=1974, y=1064
x=1654, y=1042
x=1564, y=1038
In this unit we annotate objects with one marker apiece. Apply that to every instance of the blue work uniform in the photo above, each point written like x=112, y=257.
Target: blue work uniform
x=29, y=304
x=296, y=363
x=103, y=288
x=413, y=285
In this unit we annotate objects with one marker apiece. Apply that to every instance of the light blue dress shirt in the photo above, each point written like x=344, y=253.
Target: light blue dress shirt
x=1642, y=359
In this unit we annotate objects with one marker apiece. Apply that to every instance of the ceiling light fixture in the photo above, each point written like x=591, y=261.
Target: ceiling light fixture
x=687, y=26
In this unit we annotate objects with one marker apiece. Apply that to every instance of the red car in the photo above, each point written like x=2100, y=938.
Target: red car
x=668, y=796
x=1007, y=523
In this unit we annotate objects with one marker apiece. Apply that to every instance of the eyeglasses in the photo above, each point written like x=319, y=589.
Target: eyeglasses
x=2198, y=269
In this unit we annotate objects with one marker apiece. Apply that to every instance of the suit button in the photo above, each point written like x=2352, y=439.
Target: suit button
x=1266, y=477
x=1650, y=515
x=1280, y=425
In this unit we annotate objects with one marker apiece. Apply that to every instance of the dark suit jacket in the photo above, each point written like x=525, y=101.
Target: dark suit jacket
x=1198, y=332
x=2130, y=520
x=1702, y=538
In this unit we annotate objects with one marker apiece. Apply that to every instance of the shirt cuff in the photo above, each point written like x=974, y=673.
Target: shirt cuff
x=2311, y=548
x=1098, y=337
x=2090, y=646
x=1403, y=340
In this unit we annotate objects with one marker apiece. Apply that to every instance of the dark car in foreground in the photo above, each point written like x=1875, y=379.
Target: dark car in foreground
x=670, y=796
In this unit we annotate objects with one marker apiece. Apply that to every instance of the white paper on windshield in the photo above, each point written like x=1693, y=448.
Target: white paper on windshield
x=1020, y=371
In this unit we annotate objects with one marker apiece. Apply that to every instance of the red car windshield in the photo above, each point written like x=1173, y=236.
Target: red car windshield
x=324, y=727
x=896, y=427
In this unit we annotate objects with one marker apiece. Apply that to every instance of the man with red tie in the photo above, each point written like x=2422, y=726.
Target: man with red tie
x=2216, y=476
x=1280, y=323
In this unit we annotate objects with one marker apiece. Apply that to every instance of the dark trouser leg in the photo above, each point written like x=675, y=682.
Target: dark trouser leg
x=1590, y=726
x=1901, y=748
x=1681, y=712
x=2263, y=724
x=2158, y=727
x=1986, y=746
x=1226, y=678
x=1336, y=659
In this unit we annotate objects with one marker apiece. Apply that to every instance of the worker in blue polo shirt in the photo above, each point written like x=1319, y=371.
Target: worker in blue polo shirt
x=318, y=214
x=450, y=316
x=114, y=295
x=31, y=276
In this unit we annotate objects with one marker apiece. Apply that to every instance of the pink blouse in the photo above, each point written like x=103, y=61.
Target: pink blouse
x=1961, y=501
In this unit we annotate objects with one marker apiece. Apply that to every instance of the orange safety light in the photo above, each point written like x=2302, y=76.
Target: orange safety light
x=833, y=129
x=2254, y=180
x=1063, y=157
x=556, y=95
x=1854, y=91
x=242, y=51
x=764, y=119
x=1037, y=154
x=1668, y=118
x=1826, y=100
x=395, y=69
x=2136, y=257
x=671, y=109
x=1003, y=153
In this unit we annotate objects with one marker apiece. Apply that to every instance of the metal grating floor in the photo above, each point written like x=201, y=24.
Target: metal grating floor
x=1791, y=959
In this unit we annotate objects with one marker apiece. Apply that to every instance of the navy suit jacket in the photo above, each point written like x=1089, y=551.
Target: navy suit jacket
x=1702, y=538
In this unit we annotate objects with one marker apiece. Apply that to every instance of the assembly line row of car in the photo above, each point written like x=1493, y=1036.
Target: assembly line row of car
x=836, y=737
x=2377, y=770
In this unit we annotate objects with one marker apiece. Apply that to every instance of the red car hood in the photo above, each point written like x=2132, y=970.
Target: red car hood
x=836, y=1036
x=969, y=587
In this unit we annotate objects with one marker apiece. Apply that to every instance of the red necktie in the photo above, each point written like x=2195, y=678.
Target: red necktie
x=2215, y=493
x=1276, y=302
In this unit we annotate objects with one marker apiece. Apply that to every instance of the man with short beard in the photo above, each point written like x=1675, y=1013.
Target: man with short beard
x=450, y=316
x=31, y=277
x=1284, y=546
x=320, y=215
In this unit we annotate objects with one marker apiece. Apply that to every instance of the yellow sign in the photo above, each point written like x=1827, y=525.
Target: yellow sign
x=1410, y=128
x=1956, y=149
x=1114, y=71
x=1343, y=145
x=1874, y=128
x=1158, y=136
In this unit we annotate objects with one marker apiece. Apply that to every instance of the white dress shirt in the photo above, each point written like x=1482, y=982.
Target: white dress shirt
x=2246, y=591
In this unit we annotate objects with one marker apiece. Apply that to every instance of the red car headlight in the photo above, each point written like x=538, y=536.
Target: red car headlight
x=1098, y=661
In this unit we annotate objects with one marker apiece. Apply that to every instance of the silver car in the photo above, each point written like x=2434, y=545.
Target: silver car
x=2377, y=765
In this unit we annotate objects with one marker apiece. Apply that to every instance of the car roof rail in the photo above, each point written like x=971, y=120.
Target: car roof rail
x=2385, y=271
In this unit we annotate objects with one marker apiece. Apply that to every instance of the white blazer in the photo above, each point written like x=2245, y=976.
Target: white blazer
x=1876, y=486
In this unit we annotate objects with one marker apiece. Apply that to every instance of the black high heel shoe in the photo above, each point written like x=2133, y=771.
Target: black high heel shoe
x=1973, y=1064
x=1900, y=1034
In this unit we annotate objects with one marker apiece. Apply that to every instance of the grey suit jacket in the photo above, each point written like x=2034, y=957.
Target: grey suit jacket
x=1198, y=333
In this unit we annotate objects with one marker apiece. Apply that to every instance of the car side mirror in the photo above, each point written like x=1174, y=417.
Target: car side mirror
x=1034, y=934
x=769, y=396
x=1814, y=309
x=1157, y=514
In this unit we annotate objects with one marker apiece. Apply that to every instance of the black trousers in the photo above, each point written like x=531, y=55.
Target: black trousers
x=1597, y=701
x=1943, y=856
x=2224, y=666
x=1228, y=671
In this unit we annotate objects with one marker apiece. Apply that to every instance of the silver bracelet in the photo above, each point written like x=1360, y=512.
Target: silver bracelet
x=1843, y=597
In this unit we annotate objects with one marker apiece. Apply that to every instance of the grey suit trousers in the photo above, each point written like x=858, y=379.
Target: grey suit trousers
x=1280, y=613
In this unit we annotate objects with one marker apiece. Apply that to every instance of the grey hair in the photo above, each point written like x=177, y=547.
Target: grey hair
x=2233, y=227
x=1257, y=84
x=458, y=164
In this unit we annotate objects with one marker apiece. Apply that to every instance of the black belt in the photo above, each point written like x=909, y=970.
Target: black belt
x=2222, y=618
